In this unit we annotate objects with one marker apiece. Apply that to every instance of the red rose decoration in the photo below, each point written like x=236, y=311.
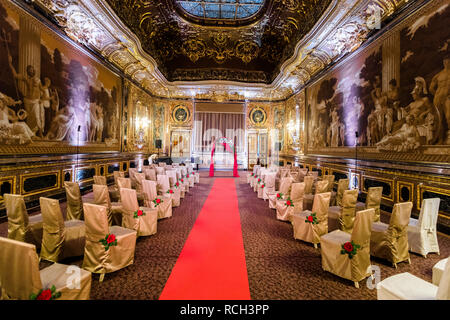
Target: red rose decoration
x=170, y=191
x=139, y=213
x=348, y=246
x=278, y=195
x=187, y=176
x=262, y=186
x=158, y=200
x=45, y=295
x=112, y=237
x=288, y=203
x=310, y=218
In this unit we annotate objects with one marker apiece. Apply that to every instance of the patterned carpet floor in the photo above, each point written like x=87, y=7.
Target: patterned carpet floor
x=279, y=267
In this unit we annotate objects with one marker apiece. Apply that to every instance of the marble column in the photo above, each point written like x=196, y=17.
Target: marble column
x=29, y=48
x=391, y=60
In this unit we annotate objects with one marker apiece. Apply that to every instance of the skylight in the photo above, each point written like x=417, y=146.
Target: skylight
x=221, y=9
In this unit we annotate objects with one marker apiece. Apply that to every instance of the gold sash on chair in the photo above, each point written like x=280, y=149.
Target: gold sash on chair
x=96, y=258
x=20, y=226
x=144, y=225
x=60, y=238
x=390, y=242
x=74, y=201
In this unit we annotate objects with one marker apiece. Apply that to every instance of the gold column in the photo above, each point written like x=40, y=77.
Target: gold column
x=391, y=60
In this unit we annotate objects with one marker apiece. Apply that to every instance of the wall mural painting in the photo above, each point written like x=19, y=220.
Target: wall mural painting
x=403, y=115
x=295, y=108
x=159, y=123
x=278, y=124
x=52, y=95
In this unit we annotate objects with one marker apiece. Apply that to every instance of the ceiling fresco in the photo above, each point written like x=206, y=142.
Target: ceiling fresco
x=186, y=51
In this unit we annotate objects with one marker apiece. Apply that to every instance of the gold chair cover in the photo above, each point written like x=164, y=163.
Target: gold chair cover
x=320, y=187
x=20, y=226
x=101, y=180
x=357, y=268
x=96, y=258
x=114, y=209
x=422, y=236
x=269, y=185
x=60, y=238
x=132, y=175
x=343, y=185
x=150, y=174
x=139, y=177
x=390, y=242
x=150, y=194
x=144, y=225
x=160, y=170
x=172, y=174
x=20, y=276
x=284, y=212
x=118, y=174
x=163, y=184
x=74, y=202
x=285, y=187
x=330, y=178
x=309, y=182
x=373, y=200
x=312, y=232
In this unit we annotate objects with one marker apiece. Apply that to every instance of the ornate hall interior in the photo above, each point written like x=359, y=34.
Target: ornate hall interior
x=224, y=150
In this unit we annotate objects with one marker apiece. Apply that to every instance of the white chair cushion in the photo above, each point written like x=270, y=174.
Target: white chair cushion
x=405, y=286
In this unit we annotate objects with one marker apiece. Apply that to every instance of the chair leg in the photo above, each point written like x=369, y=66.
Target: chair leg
x=102, y=276
x=409, y=260
x=315, y=245
x=395, y=265
x=356, y=284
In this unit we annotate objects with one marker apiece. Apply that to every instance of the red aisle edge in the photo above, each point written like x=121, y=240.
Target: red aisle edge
x=212, y=265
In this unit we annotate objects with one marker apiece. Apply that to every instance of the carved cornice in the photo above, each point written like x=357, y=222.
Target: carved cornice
x=344, y=26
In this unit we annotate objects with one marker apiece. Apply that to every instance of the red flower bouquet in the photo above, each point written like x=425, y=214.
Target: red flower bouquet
x=170, y=191
x=279, y=195
x=157, y=201
x=312, y=219
x=289, y=202
x=259, y=181
x=262, y=186
x=47, y=294
x=177, y=184
x=138, y=213
x=110, y=240
x=350, y=248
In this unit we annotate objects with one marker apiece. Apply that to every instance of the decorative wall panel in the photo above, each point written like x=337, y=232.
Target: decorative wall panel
x=54, y=97
x=393, y=93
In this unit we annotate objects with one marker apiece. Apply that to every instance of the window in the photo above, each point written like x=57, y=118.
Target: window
x=221, y=9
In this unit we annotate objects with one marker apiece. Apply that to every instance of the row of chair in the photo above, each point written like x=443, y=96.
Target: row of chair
x=350, y=222
x=102, y=231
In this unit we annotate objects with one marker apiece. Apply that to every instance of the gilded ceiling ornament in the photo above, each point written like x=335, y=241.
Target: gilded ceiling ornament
x=194, y=49
x=247, y=51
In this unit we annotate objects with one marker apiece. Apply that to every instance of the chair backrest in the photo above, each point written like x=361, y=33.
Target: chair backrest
x=285, y=185
x=172, y=174
x=118, y=174
x=19, y=269
x=284, y=172
x=429, y=214
x=149, y=189
x=17, y=217
x=342, y=186
x=150, y=174
x=132, y=172
x=320, y=206
x=400, y=215
x=315, y=174
x=322, y=186
x=309, y=182
x=373, y=200
x=349, y=209
x=160, y=170
x=101, y=195
x=74, y=202
x=53, y=229
x=100, y=180
x=330, y=178
x=139, y=178
x=163, y=183
x=270, y=180
x=255, y=168
x=123, y=183
x=129, y=200
x=362, y=226
x=96, y=222
x=443, y=292
x=297, y=192
x=162, y=164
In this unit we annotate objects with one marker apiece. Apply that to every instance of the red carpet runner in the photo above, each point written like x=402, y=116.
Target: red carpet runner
x=212, y=265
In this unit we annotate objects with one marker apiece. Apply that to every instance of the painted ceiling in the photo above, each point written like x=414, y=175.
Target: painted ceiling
x=211, y=49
